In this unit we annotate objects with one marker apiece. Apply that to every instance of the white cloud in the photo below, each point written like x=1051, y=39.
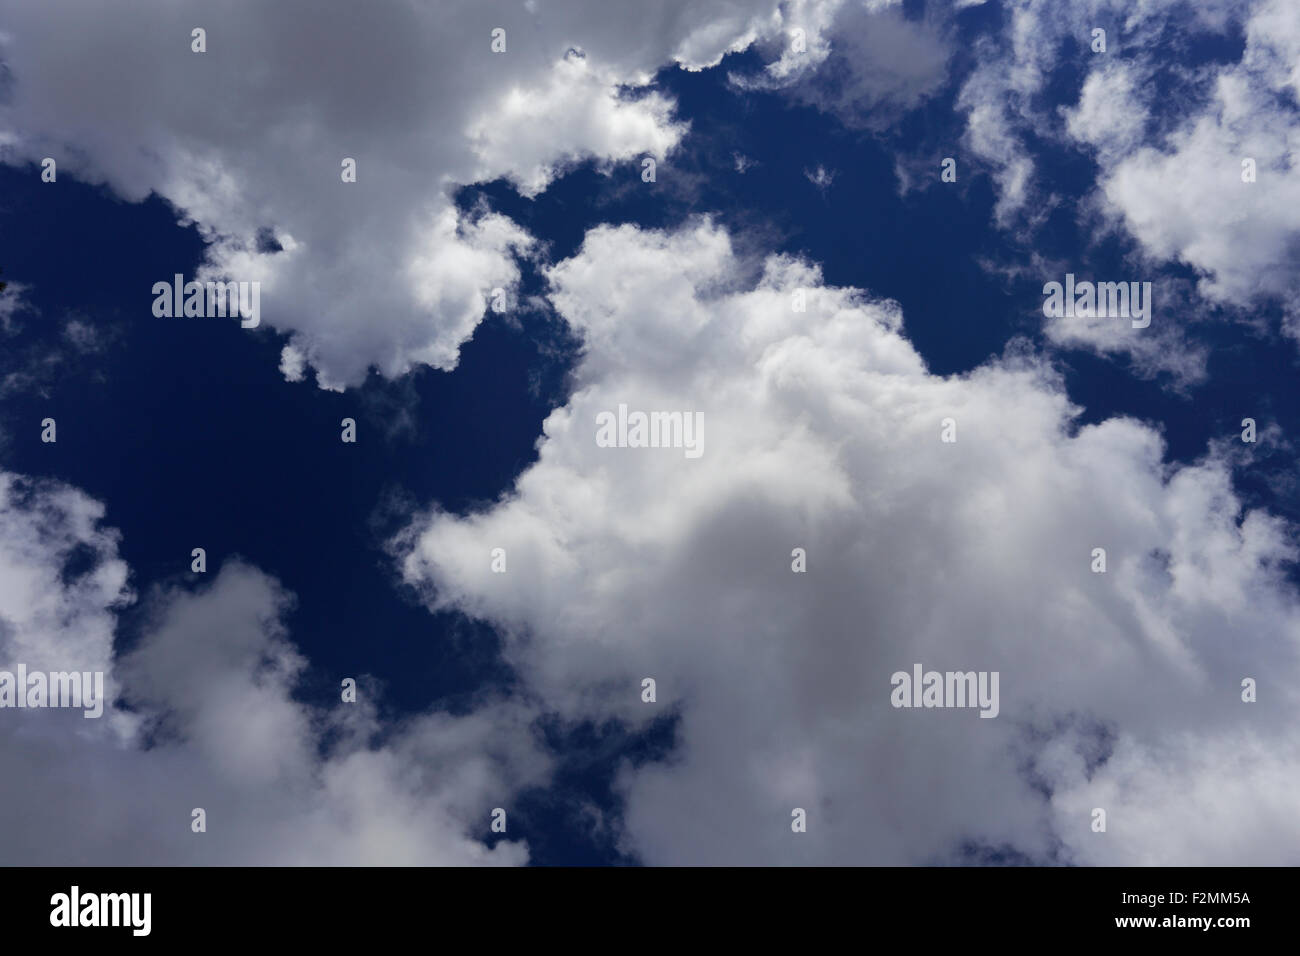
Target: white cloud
x=864, y=63
x=520, y=135
x=12, y=304
x=53, y=611
x=1164, y=347
x=214, y=724
x=1109, y=116
x=250, y=136
x=1004, y=95
x=823, y=432
x=820, y=177
x=1185, y=199
x=995, y=98
x=1169, y=141
x=802, y=43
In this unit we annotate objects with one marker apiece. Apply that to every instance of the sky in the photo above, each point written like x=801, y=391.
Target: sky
x=823, y=230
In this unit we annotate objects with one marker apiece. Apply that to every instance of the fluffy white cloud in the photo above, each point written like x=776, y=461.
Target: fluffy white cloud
x=247, y=139
x=213, y=723
x=1163, y=347
x=1186, y=200
x=864, y=62
x=1169, y=142
x=1003, y=97
x=60, y=580
x=520, y=136
x=822, y=431
x=1109, y=115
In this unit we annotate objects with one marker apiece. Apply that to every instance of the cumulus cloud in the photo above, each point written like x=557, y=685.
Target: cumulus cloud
x=520, y=135
x=823, y=432
x=209, y=719
x=1109, y=116
x=247, y=140
x=1005, y=95
x=1169, y=141
x=60, y=579
x=1186, y=200
x=864, y=63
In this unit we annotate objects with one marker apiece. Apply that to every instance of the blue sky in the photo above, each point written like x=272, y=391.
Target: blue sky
x=329, y=560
